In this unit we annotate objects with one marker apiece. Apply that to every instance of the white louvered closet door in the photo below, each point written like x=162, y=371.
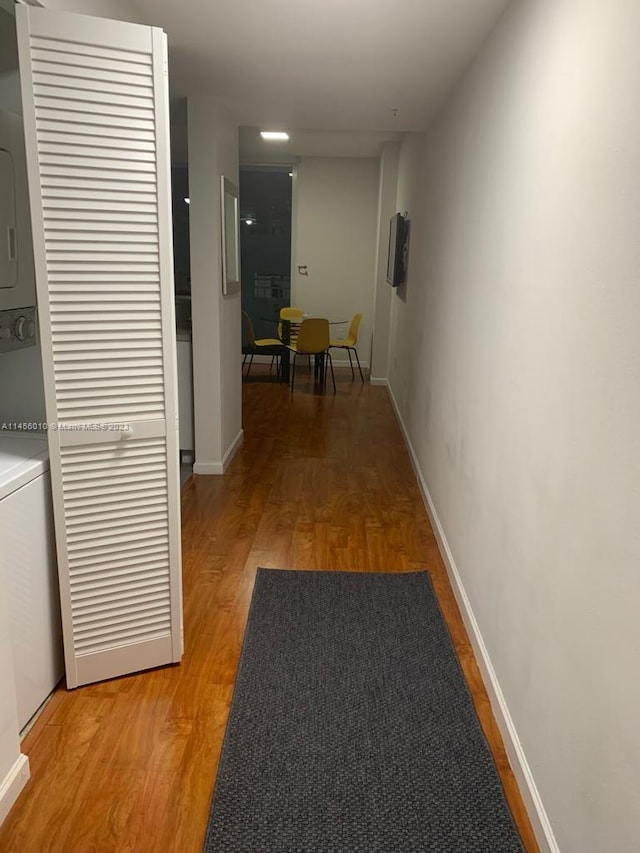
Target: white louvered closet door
x=96, y=122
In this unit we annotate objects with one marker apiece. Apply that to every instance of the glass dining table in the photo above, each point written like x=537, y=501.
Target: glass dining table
x=285, y=360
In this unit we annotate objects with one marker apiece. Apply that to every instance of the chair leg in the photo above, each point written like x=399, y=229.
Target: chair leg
x=246, y=376
x=353, y=376
x=293, y=371
x=333, y=378
x=359, y=368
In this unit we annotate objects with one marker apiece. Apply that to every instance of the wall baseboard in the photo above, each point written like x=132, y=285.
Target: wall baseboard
x=344, y=362
x=208, y=468
x=232, y=450
x=517, y=758
x=12, y=784
x=217, y=468
x=377, y=380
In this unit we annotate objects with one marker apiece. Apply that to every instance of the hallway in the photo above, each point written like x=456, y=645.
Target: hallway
x=321, y=482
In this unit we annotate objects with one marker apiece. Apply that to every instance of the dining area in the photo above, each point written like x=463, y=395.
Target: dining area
x=297, y=334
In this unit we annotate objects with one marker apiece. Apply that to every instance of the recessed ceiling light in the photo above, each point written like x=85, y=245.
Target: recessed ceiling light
x=187, y=201
x=274, y=134
x=290, y=174
x=249, y=221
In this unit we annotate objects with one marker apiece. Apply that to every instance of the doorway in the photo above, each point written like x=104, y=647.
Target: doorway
x=265, y=244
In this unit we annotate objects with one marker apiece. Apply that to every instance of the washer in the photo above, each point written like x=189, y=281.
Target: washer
x=28, y=563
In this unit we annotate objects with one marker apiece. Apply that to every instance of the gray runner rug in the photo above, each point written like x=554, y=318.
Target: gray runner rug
x=352, y=729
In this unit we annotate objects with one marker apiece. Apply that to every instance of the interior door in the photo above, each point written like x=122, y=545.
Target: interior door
x=96, y=124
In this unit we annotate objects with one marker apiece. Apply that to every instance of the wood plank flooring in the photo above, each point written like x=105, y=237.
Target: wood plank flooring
x=321, y=482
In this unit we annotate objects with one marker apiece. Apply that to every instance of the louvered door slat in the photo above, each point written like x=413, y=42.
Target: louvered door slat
x=112, y=524
x=56, y=182
x=105, y=544
x=89, y=285
x=79, y=226
x=122, y=465
x=62, y=212
x=121, y=621
x=106, y=329
x=129, y=48
x=76, y=110
x=96, y=115
x=71, y=68
x=76, y=506
x=69, y=303
x=85, y=145
x=90, y=164
x=96, y=122
x=126, y=557
x=85, y=578
x=51, y=79
x=107, y=377
x=81, y=98
x=84, y=199
x=150, y=509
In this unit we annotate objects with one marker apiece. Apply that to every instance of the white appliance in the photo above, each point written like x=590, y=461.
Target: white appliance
x=17, y=278
x=28, y=563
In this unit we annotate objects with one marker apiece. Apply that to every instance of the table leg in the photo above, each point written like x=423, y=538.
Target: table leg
x=319, y=365
x=285, y=365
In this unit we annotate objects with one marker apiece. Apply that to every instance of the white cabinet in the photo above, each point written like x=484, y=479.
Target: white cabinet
x=26, y=529
x=14, y=767
x=29, y=571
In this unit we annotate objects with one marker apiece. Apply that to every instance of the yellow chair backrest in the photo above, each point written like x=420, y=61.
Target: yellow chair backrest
x=353, y=329
x=294, y=317
x=313, y=336
x=291, y=313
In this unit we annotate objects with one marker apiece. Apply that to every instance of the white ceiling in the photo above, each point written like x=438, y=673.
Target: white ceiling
x=322, y=64
x=342, y=76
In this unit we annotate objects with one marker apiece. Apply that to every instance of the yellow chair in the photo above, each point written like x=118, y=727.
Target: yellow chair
x=288, y=331
x=262, y=346
x=349, y=343
x=293, y=316
x=313, y=339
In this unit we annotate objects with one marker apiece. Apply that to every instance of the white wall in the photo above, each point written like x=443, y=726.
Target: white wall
x=335, y=211
x=118, y=10
x=387, y=191
x=216, y=325
x=517, y=373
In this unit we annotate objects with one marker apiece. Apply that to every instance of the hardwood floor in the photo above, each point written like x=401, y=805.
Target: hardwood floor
x=321, y=482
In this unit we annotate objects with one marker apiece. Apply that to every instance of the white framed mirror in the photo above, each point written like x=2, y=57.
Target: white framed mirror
x=230, y=219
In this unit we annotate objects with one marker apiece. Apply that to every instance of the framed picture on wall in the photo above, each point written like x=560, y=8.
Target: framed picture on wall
x=229, y=217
